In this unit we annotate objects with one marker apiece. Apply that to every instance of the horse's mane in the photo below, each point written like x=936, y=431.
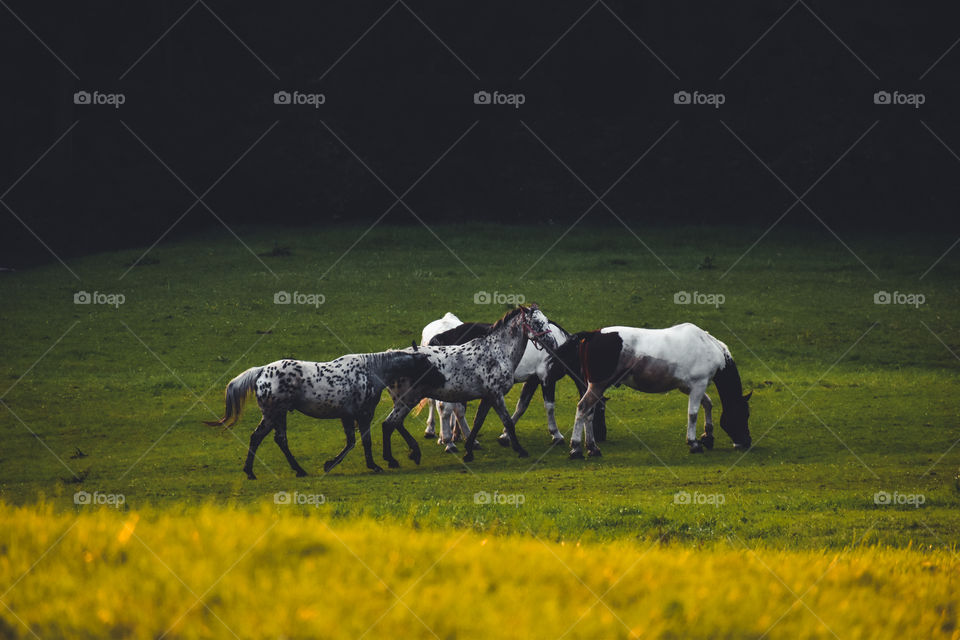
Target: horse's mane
x=507, y=317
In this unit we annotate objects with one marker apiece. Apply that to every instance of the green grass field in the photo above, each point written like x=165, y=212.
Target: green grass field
x=851, y=399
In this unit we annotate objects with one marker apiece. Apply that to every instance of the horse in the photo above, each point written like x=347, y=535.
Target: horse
x=681, y=357
x=538, y=368
x=347, y=388
x=480, y=369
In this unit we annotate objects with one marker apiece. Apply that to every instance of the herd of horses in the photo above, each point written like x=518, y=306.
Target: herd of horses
x=459, y=362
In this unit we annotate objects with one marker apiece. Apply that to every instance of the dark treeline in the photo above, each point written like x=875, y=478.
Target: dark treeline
x=200, y=96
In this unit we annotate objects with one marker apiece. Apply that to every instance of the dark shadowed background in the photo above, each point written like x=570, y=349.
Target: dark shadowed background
x=398, y=82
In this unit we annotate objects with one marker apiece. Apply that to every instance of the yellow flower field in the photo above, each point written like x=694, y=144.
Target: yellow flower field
x=216, y=572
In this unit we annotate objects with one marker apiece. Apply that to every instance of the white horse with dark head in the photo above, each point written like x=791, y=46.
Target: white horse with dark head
x=682, y=357
x=481, y=369
x=348, y=388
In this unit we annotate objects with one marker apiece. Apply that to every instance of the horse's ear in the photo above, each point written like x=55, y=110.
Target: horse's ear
x=747, y=397
x=414, y=343
x=534, y=306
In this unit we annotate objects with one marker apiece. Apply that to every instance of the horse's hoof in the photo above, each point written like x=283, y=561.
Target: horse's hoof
x=250, y=475
x=414, y=455
x=557, y=440
x=450, y=448
x=393, y=464
x=503, y=440
x=594, y=452
x=329, y=464
x=707, y=441
x=429, y=434
x=696, y=447
x=301, y=473
x=468, y=456
x=741, y=447
x=576, y=455
x=476, y=445
x=523, y=453
x=376, y=469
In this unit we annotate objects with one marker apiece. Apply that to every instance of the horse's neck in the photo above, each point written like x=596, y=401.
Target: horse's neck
x=511, y=340
x=728, y=382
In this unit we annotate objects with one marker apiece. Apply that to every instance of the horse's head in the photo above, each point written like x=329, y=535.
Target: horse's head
x=734, y=420
x=536, y=328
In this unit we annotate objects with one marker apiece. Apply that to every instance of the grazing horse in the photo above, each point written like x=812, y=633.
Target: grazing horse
x=480, y=369
x=347, y=388
x=682, y=357
x=538, y=368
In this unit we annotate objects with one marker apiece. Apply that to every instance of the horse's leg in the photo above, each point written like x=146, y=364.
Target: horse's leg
x=363, y=422
x=693, y=408
x=526, y=395
x=477, y=423
x=255, y=439
x=501, y=408
x=449, y=422
x=411, y=442
x=583, y=423
x=430, y=431
x=388, y=426
x=446, y=426
x=280, y=437
x=549, y=405
x=707, y=438
x=348, y=429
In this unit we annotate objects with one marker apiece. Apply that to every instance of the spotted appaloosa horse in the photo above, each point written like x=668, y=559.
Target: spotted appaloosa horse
x=538, y=368
x=347, y=388
x=480, y=369
x=682, y=357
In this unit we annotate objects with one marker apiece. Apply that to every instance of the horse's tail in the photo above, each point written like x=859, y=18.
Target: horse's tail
x=420, y=405
x=236, y=396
